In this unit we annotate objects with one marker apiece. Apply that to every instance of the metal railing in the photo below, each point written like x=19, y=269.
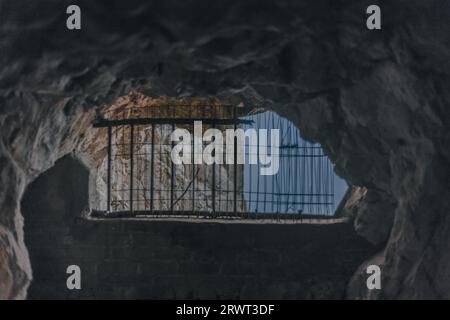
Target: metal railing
x=141, y=178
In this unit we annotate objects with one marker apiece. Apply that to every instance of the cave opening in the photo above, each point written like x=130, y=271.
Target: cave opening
x=140, y=175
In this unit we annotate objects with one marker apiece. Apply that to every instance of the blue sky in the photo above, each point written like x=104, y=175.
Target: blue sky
x=305, y=181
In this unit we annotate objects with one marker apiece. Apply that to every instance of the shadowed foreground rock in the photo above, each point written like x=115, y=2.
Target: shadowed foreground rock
x=142, y=259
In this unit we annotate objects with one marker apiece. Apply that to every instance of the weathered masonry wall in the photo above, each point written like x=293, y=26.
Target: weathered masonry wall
x=173, y=259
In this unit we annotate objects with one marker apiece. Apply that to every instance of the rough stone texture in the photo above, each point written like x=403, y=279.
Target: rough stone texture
x=374, y=218
x=371, y=211
x=6, y=280
x=171, y=259
x=351, y=201
x=377, y=101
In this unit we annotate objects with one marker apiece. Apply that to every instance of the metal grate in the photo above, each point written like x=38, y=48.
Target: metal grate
x=141, y=179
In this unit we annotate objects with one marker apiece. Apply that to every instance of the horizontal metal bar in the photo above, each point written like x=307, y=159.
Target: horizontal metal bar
x=141, y=121
x=249, y=201
x=217, y=214
x=293, y=156
x=243, y=192
x=186, y=105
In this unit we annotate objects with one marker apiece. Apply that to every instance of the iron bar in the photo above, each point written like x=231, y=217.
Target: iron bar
x=172, y=177
x=152, y=168
x=142, y=121
x=214, y=177
x=131, y=165
x=108, y=179
x=235, y=166
x=193, y=172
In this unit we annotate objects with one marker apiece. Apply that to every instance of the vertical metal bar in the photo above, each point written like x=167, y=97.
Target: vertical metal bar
x=193, y=170
x=172, y=176
x=220, y=190
x=235, y=165
x=109, y=169
x=250, y=182
x=273, y=177
x=227, y=202
x=160, y=183
x=266, y=123
x=131, y=165
x=214, y=179
x=152, y=168
x=331, y=172
x=257, y=175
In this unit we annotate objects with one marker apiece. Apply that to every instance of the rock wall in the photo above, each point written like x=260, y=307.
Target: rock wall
x=377, y=101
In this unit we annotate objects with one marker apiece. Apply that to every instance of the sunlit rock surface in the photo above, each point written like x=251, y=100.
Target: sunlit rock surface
x=377, y=101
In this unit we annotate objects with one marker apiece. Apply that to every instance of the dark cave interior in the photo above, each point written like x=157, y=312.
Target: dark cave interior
x=376, y=101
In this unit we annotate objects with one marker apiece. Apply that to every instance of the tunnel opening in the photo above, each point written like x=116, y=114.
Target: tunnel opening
x=139, y=176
